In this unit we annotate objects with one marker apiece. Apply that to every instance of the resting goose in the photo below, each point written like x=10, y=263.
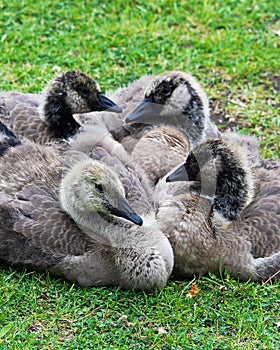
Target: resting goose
x=221, y=224
x=48, y=116
x=81, y=227
x=176, y=99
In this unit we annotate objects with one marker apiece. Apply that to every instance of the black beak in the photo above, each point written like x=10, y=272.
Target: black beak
x=105, y=104
x=180, y=174
x=146, y=112
x=124, y=210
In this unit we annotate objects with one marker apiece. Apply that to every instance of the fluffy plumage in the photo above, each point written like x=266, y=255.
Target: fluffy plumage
x=228, y=222
x=160, y=150
x=75, y=228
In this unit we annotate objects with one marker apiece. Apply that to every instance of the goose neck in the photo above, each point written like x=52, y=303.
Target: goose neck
x=58, y=116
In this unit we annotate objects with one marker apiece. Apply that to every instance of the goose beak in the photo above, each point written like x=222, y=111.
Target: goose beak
x=180, y=174
x=105, y=104
x=124, y=210
x=146, y=112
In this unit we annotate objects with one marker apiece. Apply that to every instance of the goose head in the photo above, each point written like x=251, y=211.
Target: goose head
x=218, y=169
x=7, y=139
x=91, y=187
x=70, y=93
x=174, y=98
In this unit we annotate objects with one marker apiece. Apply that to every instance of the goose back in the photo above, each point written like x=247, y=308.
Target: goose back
x=159, y=151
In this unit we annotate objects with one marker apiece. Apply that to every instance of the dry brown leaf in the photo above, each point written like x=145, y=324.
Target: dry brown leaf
x=193, y=290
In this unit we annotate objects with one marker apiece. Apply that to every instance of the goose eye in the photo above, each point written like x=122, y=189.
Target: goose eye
x=99, y=187
x=166, y=90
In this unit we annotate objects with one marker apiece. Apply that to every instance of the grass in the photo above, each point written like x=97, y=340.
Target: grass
x=232, y=47
x=41, y=312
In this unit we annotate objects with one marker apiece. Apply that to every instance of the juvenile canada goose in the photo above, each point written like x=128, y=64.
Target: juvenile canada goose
x=175, y=98
x=47, y=116
x=220, y=226
x=260, y=217
x=78, y=227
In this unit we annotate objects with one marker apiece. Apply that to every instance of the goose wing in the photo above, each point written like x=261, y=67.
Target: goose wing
x=20, y=112
x=10, y=99
x=46, y=225
x=261, y=220
x=26, y=122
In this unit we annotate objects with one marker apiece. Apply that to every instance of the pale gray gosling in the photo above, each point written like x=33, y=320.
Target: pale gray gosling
x=78, y=228
x=48, y=116
x=210, y=229
x=176, y=99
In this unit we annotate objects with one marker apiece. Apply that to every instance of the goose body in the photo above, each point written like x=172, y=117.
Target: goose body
x=48, y=116
x=70, y=216
x=160, y=150
x=227, y=222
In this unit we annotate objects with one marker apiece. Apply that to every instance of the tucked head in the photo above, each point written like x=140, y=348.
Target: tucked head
x=219, y=170
x=93, y=187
